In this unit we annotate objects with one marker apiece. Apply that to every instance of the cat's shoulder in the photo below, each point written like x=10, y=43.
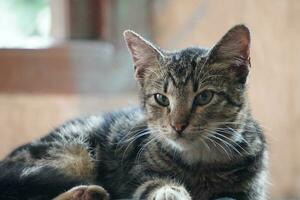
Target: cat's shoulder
x=97, y=124
x=88, y=123
x=122, y=119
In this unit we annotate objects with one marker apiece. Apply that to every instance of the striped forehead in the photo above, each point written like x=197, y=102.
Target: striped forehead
x=180, y=81
x=183, y=67
x=181, y=72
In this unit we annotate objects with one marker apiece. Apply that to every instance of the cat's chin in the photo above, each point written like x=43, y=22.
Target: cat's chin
x=179, y=143
x=173, y=144
x=193, y=151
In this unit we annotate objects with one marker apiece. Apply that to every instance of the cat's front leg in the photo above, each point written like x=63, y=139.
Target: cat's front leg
x=160, y=189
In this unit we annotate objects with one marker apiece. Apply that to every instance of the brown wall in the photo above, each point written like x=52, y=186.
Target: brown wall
x=36, y=71
x=274, y=84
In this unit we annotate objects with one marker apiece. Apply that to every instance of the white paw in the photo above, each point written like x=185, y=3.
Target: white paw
x=170, y=193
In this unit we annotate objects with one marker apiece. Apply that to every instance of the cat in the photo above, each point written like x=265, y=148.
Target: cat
x=192, y=137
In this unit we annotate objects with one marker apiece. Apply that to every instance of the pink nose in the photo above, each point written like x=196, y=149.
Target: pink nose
x=179, y=127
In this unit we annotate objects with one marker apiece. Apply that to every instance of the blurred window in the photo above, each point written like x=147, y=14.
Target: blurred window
x=25, y=23
x=68, y=46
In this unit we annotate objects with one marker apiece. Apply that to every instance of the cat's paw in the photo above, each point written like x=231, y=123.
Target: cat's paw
x=91, y=192
x=170, y=193
x=84, y=192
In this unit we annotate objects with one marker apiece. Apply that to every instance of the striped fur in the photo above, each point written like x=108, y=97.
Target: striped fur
x=135, y=153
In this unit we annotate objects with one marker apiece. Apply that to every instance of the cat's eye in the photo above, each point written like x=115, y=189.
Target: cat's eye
x=204, y=97
x=161, y=99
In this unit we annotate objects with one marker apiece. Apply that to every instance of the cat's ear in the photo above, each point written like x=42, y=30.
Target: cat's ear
x=234, y=49
x=235, y=43
x=144, y=53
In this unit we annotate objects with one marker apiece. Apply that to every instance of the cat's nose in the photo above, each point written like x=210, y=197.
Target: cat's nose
x=179, y=127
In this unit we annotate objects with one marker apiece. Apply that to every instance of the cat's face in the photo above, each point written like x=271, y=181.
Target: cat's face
x=195, y=94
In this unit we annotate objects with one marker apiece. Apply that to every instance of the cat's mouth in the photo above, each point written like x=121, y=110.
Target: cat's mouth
x=181, y=141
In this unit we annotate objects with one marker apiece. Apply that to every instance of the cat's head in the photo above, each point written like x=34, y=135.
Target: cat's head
x=192, y=94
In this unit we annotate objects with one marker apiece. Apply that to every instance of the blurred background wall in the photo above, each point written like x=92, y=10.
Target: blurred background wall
x=64, y=58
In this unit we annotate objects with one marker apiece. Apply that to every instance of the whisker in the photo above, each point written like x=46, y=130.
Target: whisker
x=235, y=132
x=225, y=137
x=226, y=143
x=144, y=148
x=215, y=143
x=205, y=144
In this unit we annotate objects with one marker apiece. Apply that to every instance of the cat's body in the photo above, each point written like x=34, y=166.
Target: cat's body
x=114, y=163
x=132, y=153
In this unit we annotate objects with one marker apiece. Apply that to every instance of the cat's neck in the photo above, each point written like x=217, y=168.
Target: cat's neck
x=195, y=153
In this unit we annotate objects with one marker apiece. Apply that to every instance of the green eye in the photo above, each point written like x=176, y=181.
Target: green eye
x=161, y=99
x=204, y=97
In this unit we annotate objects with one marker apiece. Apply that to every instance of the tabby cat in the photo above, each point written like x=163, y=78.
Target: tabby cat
x=193, y=137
